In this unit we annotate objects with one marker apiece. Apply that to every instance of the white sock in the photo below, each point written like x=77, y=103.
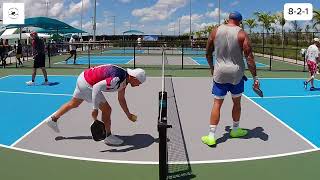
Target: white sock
x=235, y=125
x=212, y=130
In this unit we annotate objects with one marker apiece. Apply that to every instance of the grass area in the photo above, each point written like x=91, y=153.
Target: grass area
x=17, y=165
x=290, y=51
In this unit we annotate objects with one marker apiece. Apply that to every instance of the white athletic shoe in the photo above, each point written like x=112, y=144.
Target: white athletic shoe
x=30, y=83
x=113, y=140
x=53, y=125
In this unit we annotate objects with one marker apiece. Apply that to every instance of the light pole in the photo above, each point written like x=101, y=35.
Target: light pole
x=114, y=25
x=47, y=3
x=95, y=20
x=190, y=23
x=179, y=25
x=219, y=11
x=81, y=17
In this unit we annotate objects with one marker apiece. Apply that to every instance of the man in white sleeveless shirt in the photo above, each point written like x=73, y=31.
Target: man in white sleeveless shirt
x=229, y=42
x=312, y=58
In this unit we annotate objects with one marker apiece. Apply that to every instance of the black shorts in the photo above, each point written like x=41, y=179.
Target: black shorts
x=39, y=61
x=72, y=52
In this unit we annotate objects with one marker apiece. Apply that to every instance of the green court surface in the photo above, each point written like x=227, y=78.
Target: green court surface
x=21, y=165
x=17, y=165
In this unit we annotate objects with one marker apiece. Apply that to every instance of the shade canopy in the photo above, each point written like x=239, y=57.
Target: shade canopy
x=133, y=32
x=60, y=31
x=47, y=24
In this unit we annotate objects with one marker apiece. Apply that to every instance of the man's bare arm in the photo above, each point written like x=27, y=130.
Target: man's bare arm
x=210, y=49
x=247, y=49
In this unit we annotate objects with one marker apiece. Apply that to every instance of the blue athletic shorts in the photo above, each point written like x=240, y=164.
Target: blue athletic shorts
x=220, y=90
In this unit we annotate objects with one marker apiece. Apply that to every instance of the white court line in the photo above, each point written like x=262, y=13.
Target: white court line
x=284, y=97
x=30, y=93
x=42, y=76
x=294, y=131
x=33, y=129
x=4, y=77
x=131, y=61
x=194, y=60
x=156, y=162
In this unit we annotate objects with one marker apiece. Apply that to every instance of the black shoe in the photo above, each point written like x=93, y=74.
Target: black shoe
x=305, y=84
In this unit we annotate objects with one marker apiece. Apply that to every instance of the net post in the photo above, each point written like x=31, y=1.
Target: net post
x=89, y=61
x=134, y=55
x=162, y=129
x=270, y=61
x=182, y=54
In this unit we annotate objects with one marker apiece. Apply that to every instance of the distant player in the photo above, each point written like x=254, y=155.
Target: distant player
x=73, y=49
x=39, y=57
x=139, y=41
x=91, y=84
x=312, y=57
x=229, y=42
x=19, y=52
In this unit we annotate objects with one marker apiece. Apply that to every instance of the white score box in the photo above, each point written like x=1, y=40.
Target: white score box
x=13, y=13
x=298, y=11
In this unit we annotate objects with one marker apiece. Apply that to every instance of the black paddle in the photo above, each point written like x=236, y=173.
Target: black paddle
x=98, y=130
x=255, y=88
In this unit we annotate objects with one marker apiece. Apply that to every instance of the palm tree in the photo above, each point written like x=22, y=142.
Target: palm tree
x=266, y=20
x=307, y=30
x=251, y=23
x=296, y=26
x=316, y=18
x=280, y=19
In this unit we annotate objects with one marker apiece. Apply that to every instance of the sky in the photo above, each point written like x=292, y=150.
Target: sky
x=150, y=16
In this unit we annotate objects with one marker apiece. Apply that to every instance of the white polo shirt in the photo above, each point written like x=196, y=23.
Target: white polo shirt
x=312, y=53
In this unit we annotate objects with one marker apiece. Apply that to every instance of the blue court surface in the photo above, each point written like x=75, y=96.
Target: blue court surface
x=24, y=107
x=287, y=100
x=203, y=61
x=194, y=51
x=100, y=60
x=123, y=51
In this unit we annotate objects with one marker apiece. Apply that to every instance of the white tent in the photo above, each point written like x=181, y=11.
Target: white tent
x=24, y=36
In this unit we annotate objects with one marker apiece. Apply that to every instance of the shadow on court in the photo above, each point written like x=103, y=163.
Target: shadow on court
x=256, y=133
x=59, y=138
x=135, y=142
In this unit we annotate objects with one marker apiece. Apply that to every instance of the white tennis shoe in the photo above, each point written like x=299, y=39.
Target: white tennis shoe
x=113, y=140
x=30, y=83
x=53, y=125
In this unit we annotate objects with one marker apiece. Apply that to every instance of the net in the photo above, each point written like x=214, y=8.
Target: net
x=174, y=158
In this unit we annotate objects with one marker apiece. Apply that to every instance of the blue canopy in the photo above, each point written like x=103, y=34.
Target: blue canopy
x=150, y=38
x=133, y=32
x=48, y=24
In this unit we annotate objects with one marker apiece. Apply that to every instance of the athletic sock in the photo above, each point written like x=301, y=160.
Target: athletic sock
x=235, y=125
x=212, y=130
x=108, y=134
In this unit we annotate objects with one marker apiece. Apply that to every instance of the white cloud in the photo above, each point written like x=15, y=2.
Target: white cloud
x=75, y=8
x=211, y=5
x=159, y=11
x=215, y=14
x=56, y=8
x=234, y=3
x=196, y=24
x=125, y=1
